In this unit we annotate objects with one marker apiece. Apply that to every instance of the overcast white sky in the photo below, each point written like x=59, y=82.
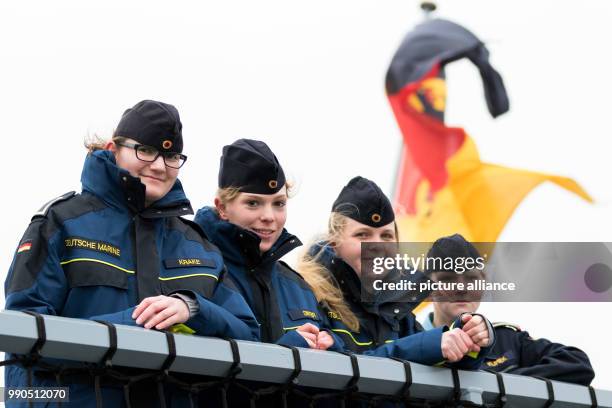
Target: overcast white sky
x=307, y=78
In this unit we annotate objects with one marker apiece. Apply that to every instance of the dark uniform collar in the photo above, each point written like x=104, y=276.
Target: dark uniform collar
x=241, y=245
x=102, y=177
x=346, y=278
x=350, y=284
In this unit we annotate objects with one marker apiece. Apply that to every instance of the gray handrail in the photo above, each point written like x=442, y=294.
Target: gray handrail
x=88, y=341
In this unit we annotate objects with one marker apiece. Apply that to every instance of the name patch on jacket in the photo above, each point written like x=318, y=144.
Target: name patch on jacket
x=303, y=314
x=98, y=246
x=334, y=315
x=189, y=262
x=500, y=360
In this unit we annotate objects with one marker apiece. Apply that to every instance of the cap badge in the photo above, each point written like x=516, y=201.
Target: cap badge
x=376, y=217
x=166, y=144
x=273, y=184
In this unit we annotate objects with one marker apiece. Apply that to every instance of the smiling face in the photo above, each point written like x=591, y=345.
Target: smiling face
x=156, y=176
x=263, y=214
x=348, y=242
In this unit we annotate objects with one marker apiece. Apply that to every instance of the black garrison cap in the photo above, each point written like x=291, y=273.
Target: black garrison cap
x=454, y=247
x=363, y=201
x=251, y=166
x=153, y=123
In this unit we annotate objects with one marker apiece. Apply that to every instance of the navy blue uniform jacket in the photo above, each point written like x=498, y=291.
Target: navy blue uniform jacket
x=517, y=352
x=279, y=296
x=387, y=329
x=97, y=254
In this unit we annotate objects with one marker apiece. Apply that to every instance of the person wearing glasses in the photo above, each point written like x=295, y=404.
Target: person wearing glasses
x=120, y=252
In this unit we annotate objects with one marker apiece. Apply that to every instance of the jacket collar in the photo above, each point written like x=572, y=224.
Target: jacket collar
x=240, y=245
x=102, y=177
x=349, y=282
x=346, y=278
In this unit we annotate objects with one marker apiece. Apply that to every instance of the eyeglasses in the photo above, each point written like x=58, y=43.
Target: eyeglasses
x=150, y=154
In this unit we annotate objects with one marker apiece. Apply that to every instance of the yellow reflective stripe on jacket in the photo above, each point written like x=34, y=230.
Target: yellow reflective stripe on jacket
x=339, y=331
x=189, y=276
x=369, y=343
x=132, y=272
x=98, y=261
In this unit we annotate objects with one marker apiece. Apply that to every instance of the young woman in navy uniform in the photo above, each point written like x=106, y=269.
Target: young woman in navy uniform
x=120, y=252
x=515, y=351
x=247, y=224
x=363, y=214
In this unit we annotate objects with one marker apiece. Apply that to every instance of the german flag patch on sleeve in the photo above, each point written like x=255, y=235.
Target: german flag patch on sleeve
x=24, y=246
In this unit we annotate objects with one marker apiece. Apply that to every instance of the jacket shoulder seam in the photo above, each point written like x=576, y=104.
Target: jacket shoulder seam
x=44, y=210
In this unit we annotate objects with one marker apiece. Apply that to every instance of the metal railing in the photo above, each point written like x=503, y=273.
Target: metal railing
x=92, y=342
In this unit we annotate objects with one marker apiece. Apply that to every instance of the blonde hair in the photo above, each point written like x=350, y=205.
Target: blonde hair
x=96, y=142
x=321, y=280
x=229, y=194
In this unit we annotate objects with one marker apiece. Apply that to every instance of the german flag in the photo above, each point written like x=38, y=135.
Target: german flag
x=25, y=246
x=442, y=186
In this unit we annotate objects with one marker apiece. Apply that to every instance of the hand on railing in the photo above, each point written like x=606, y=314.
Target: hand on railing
x=316, y=339
x=160, y=312
x=476, y=327
x=455, y=344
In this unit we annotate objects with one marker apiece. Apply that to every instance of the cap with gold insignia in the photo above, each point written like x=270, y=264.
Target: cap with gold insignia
x=251, y=166
x=153, y=123
x=362, y=200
